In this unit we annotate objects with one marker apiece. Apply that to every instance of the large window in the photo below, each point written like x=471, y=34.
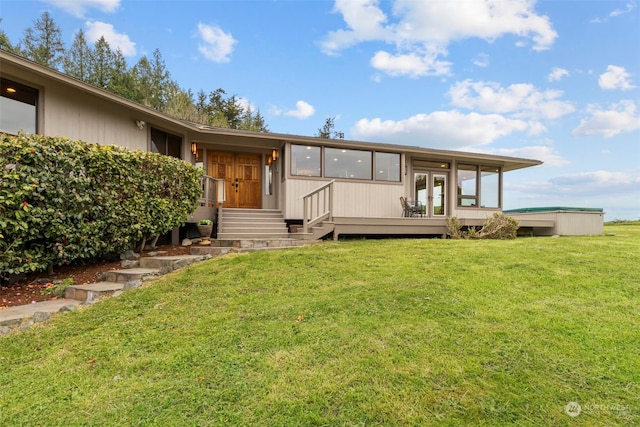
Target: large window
x=388, y=167
x=343, y=163
x=479, y=186
x=18, y=107
x=166, y=143
x=305, y=160
x=467, y=185
x=490, y=186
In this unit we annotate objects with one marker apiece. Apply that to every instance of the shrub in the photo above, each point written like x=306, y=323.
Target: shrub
x=498, y=226
x=63, y=201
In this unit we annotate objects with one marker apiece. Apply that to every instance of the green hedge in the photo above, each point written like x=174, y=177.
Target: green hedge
x=63, y=201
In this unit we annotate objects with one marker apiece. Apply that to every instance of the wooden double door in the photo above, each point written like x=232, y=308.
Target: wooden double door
x=241, y=175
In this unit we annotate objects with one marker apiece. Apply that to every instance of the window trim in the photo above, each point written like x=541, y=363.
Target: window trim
x=478, y=187
x=322, y=164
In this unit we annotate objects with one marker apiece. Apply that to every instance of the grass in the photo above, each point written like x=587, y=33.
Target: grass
x=389, y=332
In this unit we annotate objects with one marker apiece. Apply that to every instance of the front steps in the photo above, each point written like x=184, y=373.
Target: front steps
x=129, y=278
x=117, y=281
x=243, y=224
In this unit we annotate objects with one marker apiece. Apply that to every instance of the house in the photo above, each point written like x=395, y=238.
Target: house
x=322, y=186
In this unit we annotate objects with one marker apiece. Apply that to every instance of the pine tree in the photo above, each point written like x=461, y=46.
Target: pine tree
x=121, y=82
x=43, y=42
x=77, y=60
x=102, y=64
x=5, y=43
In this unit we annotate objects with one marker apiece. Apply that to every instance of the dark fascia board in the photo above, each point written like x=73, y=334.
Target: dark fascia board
x=268, y=139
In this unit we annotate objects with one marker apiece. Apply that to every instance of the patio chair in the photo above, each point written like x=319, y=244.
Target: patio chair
x=411, y=208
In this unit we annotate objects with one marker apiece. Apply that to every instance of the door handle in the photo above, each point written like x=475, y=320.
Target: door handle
x=236, y=184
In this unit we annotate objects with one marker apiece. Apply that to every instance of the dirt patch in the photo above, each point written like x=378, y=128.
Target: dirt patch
x=31, y=289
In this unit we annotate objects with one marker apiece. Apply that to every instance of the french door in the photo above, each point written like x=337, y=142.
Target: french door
x=241, y=175
x=431, y=191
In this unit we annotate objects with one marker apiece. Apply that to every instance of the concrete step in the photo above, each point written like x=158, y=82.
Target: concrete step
x=91, y=292
x=258, y=230
x=252, y=236
x=123, y=276
x=251, y=219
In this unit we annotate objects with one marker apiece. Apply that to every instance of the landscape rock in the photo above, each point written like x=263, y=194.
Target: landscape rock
x=129, y=255
x=187, y=242
x=41, y=316
x=130, y=263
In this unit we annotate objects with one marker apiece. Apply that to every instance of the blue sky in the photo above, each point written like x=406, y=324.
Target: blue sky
x=557, y=81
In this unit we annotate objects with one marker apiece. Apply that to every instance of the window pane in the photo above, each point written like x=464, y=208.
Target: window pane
x=17, y=107
x=467, y=185
x=388, y=167
x=305, y=160
x=158, y=141
x=490, y=187
x=342, y=163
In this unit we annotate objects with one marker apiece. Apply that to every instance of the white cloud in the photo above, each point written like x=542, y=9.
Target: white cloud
x=97, y=29
x=482, y=60
x=617, y=12
x=615, y=78
x=619, y=117
x=557, y=74
x=412, y=64
x=521, y=100
x=216, y=45
x=597, y=181
x=78, y=8
x=440, y=129
x=546, y=154
x=303, y=111
x=422, y=30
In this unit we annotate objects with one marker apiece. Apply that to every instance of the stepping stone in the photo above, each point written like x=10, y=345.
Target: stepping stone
x=90, y=292
x=123, y=276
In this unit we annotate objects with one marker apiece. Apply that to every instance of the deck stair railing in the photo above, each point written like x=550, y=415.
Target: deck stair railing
x=317, y=206
x=212, y=196
x=210, y=190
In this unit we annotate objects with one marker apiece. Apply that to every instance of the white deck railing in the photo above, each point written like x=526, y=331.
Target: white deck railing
x=318, y=206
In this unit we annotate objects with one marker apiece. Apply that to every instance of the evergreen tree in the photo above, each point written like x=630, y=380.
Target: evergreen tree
x=5, y=43
x=327, y=131
x=253, y=121
x=160, y=81
x=77, y=60
x=43, y=42
x=121, y=82
x=102, y=64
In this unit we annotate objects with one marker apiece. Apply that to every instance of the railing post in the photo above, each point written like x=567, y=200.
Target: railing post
x=331, y=192
x=305, y=219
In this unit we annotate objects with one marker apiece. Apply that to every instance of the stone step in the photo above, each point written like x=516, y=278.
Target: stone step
x=91, y=292
x=210, y=250
x=23, y=316
x=123, y=276
x=169, y=263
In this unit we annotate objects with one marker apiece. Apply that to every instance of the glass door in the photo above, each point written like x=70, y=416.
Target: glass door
x=438, y=194
x=431, y=193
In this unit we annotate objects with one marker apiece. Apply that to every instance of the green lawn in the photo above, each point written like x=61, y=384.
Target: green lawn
x=384, y=333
